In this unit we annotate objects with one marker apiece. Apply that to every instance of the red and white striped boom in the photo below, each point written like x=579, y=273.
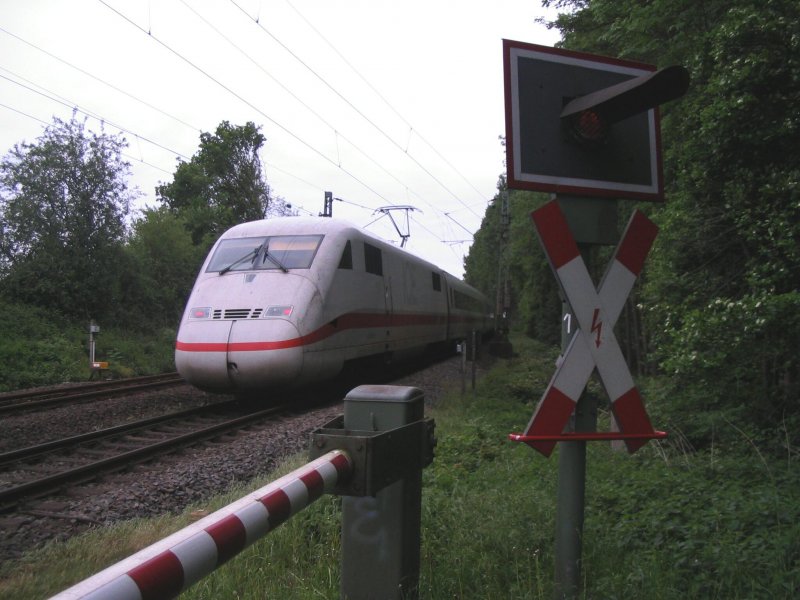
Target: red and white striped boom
x=171, y=565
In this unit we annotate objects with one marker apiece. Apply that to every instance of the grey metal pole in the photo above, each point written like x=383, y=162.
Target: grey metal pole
x=381, y=534
x=92, y=329
x=474, y=355
x=570, y=501
x=463, y=367
x=570, y=507
x=593, y=221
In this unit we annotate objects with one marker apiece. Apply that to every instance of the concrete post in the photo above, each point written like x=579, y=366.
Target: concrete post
x=381, y=534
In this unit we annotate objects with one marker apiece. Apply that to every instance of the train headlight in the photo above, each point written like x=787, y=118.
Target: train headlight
x=279, y=311
x=202, y=312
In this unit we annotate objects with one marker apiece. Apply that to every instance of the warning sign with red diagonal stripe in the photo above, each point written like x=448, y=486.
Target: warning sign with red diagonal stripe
x=594, y=344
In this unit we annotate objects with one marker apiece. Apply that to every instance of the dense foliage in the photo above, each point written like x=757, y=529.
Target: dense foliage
x=223, y=184
x=62, y=218
x=40, y=347
x=534, y=300
x=721, y=292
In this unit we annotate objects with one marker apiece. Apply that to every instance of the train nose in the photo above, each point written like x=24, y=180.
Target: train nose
x=264, y=354
x=239, y=355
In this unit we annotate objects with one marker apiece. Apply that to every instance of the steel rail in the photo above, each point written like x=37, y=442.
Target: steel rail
x=12, y=496
x=18, y=403
x=89, y=385
x=39, y=449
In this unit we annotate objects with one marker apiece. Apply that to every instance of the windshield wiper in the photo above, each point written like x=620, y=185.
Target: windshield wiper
x=274, y=260
x=253, y=253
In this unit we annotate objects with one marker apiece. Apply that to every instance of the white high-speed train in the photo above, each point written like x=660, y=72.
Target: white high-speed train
x=288, y=301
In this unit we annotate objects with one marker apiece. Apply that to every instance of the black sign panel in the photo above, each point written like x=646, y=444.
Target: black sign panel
x=543, y=153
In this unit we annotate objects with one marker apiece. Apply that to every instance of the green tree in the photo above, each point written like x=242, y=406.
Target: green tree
x=222, y=185
x=63, y=202
x=482, y=265
x=515, y=256
x=535, y=289
x=159, y=250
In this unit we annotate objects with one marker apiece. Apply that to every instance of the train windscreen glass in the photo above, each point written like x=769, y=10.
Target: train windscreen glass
x=257, y=253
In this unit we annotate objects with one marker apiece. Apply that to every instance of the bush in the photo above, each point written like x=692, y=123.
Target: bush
x=41, y=347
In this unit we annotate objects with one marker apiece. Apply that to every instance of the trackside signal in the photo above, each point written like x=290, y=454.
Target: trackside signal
x=585, y=125
x=590, y=117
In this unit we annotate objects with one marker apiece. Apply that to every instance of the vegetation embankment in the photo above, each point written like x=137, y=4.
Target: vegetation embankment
x=40, y=347
x=667, y=522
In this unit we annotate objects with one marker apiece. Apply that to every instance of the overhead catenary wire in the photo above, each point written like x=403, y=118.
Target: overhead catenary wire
x=241, y=98
x=351, y=105
x=86, y=112
x=411, y=129
x=337, y=134
x=100, y=80
x=449, y=216
x=250, y=104
x=358, y=111
x=449, y=244
x=47, y=124
x=23, y=113
x=54, y=97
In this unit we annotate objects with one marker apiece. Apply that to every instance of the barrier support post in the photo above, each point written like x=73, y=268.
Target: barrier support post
x=592, y=222
x=381, y=533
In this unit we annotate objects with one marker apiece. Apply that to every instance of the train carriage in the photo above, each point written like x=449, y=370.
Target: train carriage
x=288, y=301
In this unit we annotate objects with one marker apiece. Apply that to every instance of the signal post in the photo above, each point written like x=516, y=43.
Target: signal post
x=586, y=129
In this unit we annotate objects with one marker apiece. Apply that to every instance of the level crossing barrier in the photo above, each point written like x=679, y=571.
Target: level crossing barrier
x=169, y=566
x=373, y=455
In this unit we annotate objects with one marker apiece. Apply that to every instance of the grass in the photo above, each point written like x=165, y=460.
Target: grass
x=664, y=523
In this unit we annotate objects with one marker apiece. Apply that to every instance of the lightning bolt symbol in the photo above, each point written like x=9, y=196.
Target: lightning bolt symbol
x=597, y=326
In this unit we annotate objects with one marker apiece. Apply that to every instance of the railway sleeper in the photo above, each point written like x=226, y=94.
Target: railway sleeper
x=146, y=438
x=91, y=452
x=179, y=429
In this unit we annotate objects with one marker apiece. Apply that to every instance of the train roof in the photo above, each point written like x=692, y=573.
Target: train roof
x=310, y=225
x=296, y=225
x=324, y=226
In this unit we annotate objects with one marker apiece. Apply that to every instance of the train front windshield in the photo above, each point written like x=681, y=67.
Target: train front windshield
x=257, y=253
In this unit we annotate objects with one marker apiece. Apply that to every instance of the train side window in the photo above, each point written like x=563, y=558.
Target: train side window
x=437, y=282
x=373, y=261
x=465, y=301
x=346, y=262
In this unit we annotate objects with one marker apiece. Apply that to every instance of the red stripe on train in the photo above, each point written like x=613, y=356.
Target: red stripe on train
x=345, y=322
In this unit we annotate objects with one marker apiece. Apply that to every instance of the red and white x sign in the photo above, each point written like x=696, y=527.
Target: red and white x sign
x=594, y=345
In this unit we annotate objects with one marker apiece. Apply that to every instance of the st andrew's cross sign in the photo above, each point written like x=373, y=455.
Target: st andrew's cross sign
x=594, y=344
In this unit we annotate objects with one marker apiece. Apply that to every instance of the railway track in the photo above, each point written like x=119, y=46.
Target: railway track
x=26, y=400
x=40, y=470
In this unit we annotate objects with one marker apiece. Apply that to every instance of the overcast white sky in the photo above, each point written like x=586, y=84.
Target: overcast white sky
x=382, y=102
